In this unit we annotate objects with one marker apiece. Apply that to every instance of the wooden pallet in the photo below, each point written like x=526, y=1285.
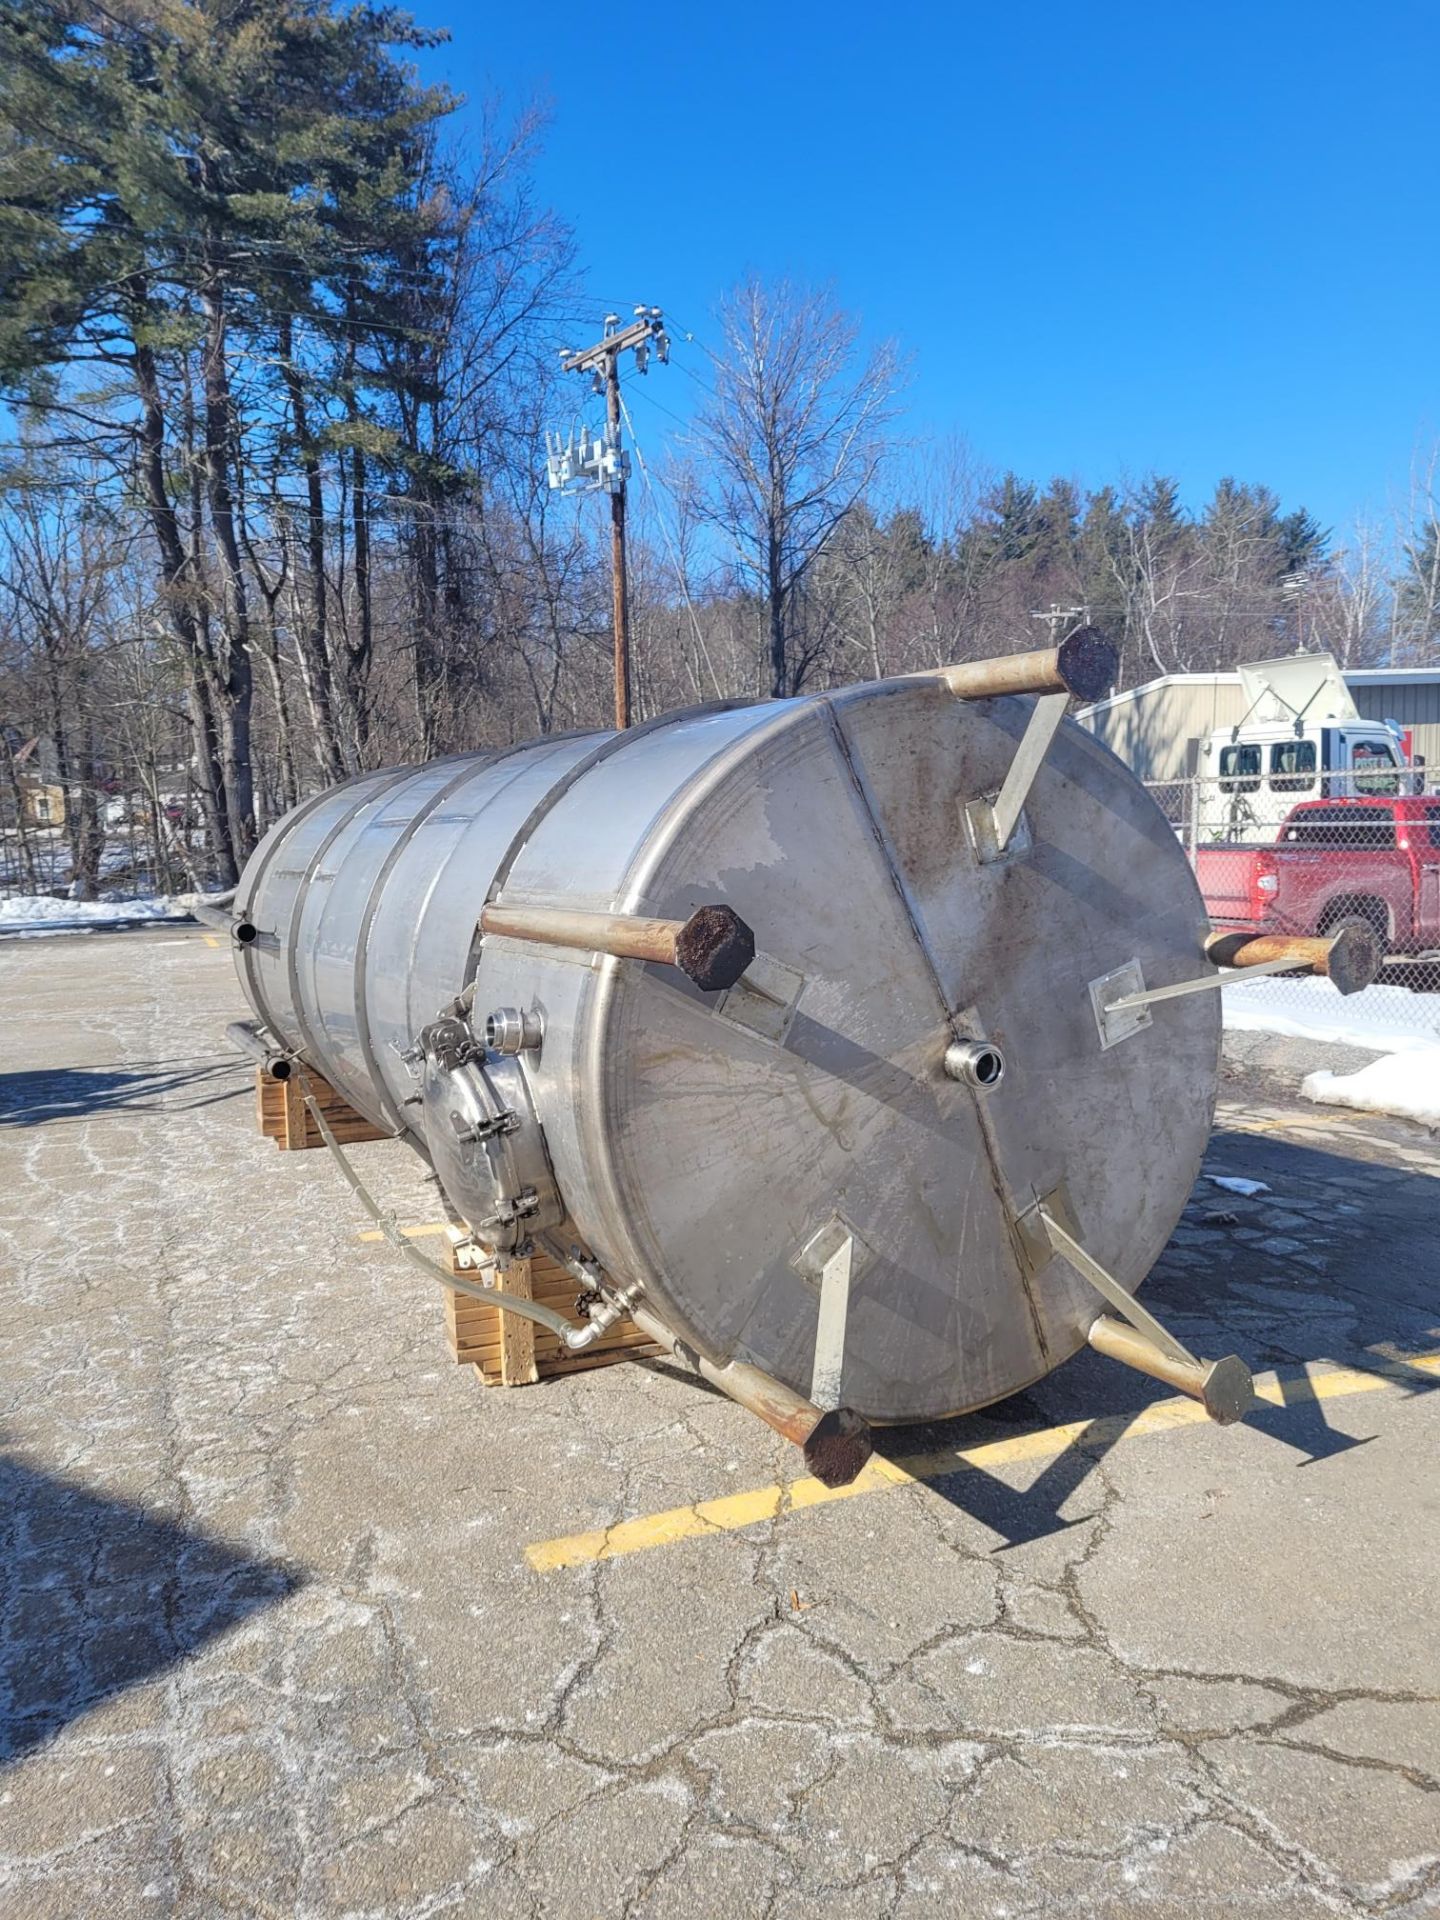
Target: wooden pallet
x=283, y=1116
x=503, y=1349
x=507, y=1351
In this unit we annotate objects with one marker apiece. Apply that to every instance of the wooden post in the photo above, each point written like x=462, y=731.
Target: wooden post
x=296, y=1117
x=619, y=586
x=517, y=1336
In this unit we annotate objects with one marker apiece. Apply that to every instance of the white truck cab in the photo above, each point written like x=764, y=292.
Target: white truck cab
x=1300, y=739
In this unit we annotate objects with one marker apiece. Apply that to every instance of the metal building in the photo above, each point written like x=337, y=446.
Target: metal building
x=1157, y=728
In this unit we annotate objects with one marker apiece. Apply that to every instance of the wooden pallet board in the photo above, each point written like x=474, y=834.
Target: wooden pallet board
x=510, y=1352
x=282, y=1115
x=503, y=1349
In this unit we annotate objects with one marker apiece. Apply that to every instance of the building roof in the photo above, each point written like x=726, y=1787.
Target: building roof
x=1364, y=676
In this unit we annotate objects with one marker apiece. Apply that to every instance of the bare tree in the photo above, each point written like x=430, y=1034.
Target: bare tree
x=793, y=436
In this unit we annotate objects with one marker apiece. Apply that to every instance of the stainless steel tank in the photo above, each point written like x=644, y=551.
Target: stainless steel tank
x=919, y=1065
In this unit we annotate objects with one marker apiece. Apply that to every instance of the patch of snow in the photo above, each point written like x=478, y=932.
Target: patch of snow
x=43, y=913
x=1407, y=1084
x=1232, y=1183
x=1383, y=1019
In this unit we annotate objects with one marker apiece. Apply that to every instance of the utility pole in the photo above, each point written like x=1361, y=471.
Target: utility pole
x=598, y=463
x=1055, y=616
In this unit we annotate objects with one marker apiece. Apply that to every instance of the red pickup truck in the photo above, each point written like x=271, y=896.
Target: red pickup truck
x=1373, y=860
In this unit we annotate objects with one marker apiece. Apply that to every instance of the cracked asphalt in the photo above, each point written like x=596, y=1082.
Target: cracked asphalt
x=272, y=1646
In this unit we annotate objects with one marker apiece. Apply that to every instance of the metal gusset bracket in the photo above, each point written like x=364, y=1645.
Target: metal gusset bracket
x=993, y=822
x=831, y=1259
x=1224, y=1388
x=1122, y=1001
x=764, y=999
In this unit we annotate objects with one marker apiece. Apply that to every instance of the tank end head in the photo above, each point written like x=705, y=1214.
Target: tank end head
x=714, y=947
x=1087, y=663
x=838, y=1446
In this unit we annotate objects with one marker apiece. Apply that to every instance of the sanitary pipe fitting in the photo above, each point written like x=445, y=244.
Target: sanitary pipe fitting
x=979, y=1063
x=509, y=1030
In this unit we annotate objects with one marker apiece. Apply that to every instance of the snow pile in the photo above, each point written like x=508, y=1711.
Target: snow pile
x=1407, y=1084
x=1232, y=1183
x=42, y=913
x=1381, y=1019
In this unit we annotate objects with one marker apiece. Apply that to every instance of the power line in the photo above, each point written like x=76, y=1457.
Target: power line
x=674, y=550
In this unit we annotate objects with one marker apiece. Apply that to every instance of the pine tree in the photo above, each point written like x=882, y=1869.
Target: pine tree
x=184, y=183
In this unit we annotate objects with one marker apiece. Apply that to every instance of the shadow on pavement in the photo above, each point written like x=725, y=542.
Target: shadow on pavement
x=96, y=1596
x=75, y=1093
x=1383, y=1304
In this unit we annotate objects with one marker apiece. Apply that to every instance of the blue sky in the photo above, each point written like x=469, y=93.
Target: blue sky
x=1111, y=236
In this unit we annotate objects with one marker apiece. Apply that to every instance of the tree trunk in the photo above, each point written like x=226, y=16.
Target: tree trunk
x=237, y=682
x=779, y=675
x=22, y=825
x=312, y=633
x=176, y=582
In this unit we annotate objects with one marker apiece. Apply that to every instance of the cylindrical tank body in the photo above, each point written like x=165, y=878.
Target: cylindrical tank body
x=705, y=1145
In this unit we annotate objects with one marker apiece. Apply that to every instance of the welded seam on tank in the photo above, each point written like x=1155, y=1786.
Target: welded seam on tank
x=475, y=764
x=552, y=796
x=772, y=717
x=998, y=1183
x=309, y=1048
x=280, y=838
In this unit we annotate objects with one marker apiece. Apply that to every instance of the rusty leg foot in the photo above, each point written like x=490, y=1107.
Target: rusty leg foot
x=838, y=1446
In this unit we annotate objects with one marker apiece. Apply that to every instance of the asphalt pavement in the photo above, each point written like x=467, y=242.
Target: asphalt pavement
x=297, y=1619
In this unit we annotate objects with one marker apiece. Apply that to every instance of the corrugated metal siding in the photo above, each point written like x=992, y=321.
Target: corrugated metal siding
x=1150, y=733
x=1415, y=705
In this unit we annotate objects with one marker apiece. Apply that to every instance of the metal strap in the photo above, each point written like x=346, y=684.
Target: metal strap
x=1040, y=730
x=830, y=1327
x=1124, y=1303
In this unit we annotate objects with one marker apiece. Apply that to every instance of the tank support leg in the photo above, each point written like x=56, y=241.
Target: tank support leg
x=1085, y=664
x=1223, y=1387
x=1350, y=959
x=836, y=1442
x=713, y=947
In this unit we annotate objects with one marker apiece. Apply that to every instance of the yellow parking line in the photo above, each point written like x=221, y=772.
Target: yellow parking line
x=736, y=1510
x=210, y=939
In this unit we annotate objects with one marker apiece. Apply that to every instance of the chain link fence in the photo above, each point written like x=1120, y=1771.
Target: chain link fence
x=1301, y=852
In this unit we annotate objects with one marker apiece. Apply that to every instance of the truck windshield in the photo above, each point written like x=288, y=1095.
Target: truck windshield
x=1374, y=765
x=1292, y=766
x=1240, y=768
